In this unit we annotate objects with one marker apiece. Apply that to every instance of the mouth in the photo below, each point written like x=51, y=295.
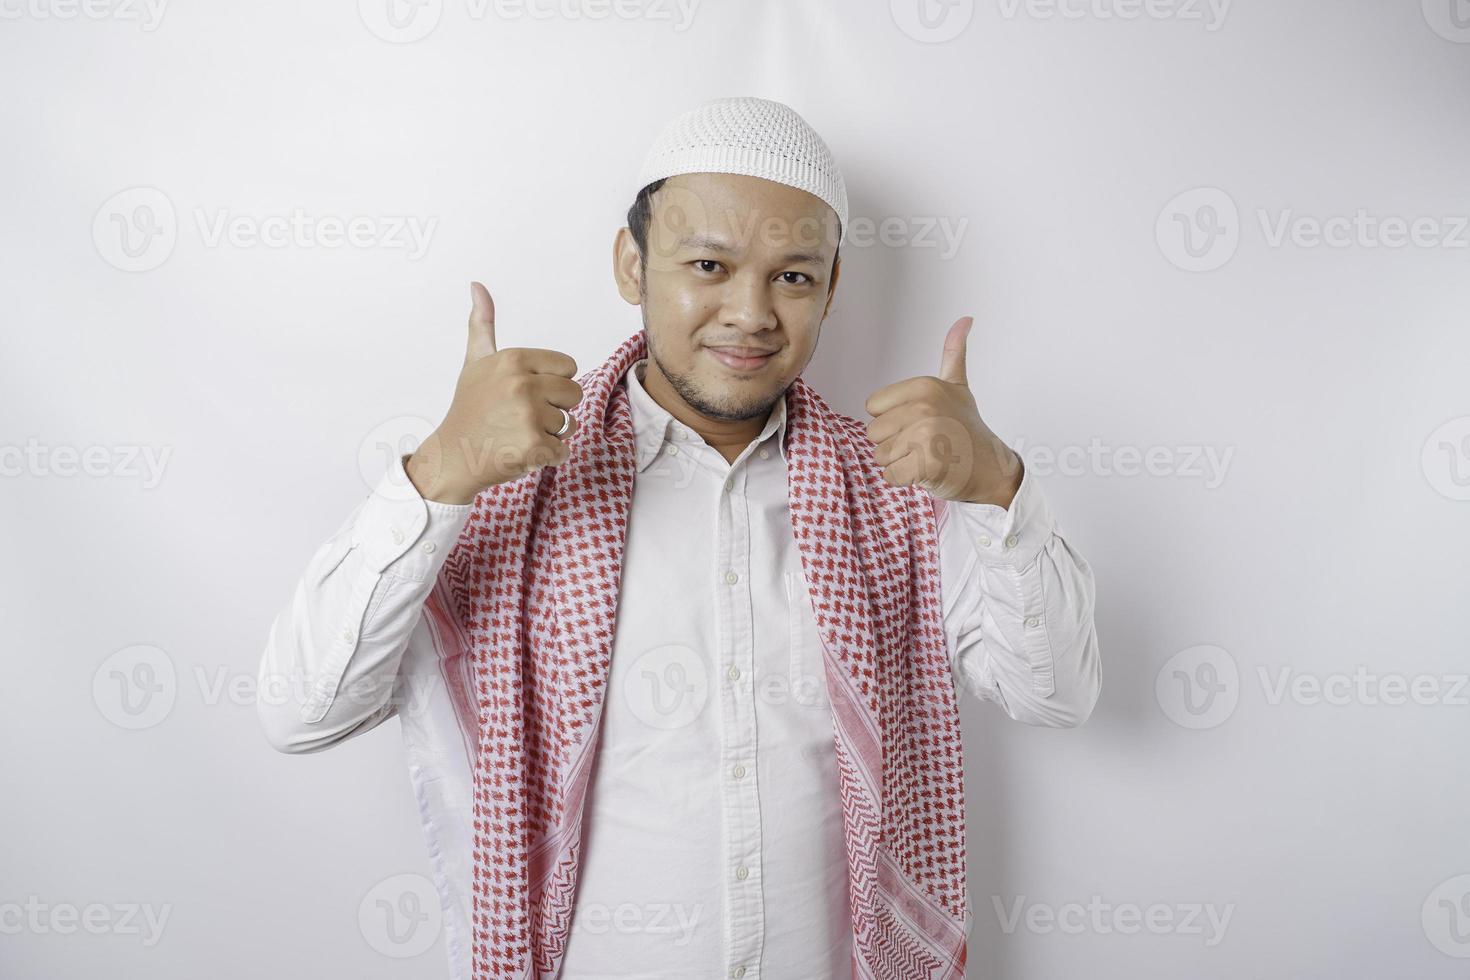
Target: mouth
x=742, y=358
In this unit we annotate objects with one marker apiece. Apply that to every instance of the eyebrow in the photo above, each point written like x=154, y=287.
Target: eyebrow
x=720, y=245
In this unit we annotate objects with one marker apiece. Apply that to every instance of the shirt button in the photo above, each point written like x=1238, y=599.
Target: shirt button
x=348, y=635
x=729, y=484
x=733, y=673
x=731, y=577
x=765, y=454
x=397, y=535
x=738, y=972
x=742, y=872
x=738, y=772
x=673, y=450
x=1011, y=541
x=1031, y=621
x=984, y=541
x=428, y=547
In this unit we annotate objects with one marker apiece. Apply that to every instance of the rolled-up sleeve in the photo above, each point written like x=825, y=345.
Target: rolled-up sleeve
x=1018, y=609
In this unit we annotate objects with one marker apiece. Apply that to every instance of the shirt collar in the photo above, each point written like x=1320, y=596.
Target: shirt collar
x=653, y=425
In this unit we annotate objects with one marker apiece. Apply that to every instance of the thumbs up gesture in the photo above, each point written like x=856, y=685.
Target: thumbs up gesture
x=928, y=431
x=504, y=417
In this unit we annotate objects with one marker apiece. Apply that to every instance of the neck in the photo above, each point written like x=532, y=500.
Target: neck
x=729, y=437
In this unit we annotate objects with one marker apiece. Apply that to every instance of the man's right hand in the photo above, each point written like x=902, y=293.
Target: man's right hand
x=499, y=426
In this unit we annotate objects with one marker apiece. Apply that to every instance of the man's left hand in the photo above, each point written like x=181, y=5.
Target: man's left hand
x=928, y=431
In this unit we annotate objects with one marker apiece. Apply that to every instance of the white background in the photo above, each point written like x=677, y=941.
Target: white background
x=1057, y=139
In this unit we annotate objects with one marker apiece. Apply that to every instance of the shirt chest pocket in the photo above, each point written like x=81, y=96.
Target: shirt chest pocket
x=806, y=673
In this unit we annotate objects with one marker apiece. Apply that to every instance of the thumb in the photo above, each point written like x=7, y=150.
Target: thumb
x=482, y=324
x=952, y=364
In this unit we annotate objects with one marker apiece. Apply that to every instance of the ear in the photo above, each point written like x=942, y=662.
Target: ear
x=626, y=272
x=832, y=286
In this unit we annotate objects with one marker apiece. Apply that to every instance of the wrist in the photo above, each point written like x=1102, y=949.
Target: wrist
x=427, y=472
x=1004, y=481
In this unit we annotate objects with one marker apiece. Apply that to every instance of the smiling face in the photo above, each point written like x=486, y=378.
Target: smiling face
x=739, y=276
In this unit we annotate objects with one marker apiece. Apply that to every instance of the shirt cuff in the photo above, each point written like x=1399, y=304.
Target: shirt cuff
x=399, y=530
x=1011, y=536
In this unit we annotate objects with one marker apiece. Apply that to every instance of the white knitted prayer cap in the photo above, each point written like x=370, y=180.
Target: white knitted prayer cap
x=751, y=136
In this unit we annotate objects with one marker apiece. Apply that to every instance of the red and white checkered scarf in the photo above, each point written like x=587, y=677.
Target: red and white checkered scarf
x=528, y=597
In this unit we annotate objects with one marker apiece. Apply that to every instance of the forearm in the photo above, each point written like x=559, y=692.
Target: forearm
x=1021, y=604
x=332, y=658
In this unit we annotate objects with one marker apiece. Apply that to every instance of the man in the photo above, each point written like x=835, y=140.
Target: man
x=675, y=672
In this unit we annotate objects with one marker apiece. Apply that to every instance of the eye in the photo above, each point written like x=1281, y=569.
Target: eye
x=804, y=276
x=699, y=263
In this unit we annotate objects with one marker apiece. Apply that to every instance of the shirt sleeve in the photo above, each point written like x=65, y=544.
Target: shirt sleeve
x=332, y=657
x=1018, y=609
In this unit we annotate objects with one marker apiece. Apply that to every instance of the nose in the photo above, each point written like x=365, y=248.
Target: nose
x=747, y=305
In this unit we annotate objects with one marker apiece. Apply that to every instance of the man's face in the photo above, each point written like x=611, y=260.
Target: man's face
x=736, y=266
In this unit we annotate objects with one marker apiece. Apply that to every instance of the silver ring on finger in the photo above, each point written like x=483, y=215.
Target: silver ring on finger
x=566, y=421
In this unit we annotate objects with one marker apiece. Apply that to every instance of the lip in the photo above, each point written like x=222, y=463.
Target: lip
x=742, y=358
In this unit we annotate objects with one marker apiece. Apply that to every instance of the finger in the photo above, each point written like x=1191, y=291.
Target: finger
x=889, y=397
x=558, y=390
x=952, y=362
x=481, y=341
x=895, y=420
x=550, y=420
x=540, y=360
x=904, y=470
x=894, y=448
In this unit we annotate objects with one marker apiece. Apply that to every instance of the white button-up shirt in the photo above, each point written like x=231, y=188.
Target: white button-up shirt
x=712, y=837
